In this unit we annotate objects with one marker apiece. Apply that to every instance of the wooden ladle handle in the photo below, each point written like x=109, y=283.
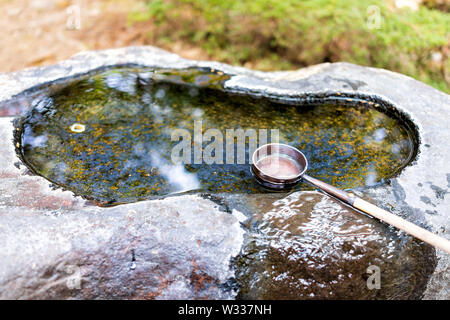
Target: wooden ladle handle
x=402, y=224
x=381, y=214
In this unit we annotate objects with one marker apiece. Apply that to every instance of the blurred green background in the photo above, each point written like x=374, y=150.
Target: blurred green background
x=411, y=37
x=408, y=36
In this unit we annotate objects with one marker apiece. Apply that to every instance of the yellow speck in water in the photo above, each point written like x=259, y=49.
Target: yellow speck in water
x=77, y=128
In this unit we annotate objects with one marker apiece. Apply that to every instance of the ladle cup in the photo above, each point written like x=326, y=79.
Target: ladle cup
x=279, y=166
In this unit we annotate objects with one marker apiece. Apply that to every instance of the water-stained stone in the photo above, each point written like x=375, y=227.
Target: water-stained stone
x=176, y=248
x=108, y=136
x=309, y=246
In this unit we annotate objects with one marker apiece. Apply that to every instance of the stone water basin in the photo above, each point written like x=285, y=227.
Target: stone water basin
x=193, y=231
x=123, y=155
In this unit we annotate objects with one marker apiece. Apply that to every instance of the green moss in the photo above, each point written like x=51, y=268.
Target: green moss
x=274, y=35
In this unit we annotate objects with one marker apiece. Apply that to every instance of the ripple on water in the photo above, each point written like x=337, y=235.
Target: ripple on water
x=308, y=245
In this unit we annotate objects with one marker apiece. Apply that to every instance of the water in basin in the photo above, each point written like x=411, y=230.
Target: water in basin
x=107, y=136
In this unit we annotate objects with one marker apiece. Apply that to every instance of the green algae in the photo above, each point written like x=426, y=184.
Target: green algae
x=123, y=153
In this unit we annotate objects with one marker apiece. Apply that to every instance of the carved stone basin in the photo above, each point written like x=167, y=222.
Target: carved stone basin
x=91, y=205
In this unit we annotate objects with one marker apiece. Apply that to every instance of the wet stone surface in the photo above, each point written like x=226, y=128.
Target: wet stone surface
x=177, y=248
x=108, y=136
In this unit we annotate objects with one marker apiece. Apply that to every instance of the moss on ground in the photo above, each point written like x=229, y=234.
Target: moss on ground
x=280, y=35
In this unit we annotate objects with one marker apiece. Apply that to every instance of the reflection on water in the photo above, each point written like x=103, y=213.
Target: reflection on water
x=176, y=175
x=379, y=134
x=123, y=152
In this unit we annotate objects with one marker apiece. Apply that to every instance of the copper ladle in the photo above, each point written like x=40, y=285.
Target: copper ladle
x=279, y=166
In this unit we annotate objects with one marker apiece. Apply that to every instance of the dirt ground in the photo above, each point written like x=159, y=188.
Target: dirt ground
x=42, y=32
